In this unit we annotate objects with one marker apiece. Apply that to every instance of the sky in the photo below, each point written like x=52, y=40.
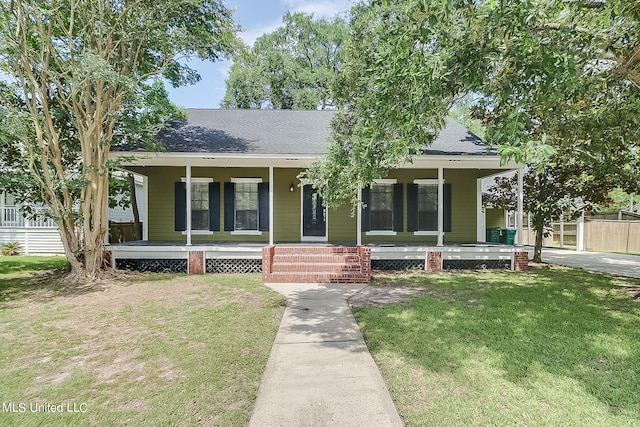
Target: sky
x=255, y=17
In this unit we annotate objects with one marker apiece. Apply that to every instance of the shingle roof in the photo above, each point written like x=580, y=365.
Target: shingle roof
x=282, y=132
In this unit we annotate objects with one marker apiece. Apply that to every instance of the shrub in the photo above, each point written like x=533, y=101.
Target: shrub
x=11, y=249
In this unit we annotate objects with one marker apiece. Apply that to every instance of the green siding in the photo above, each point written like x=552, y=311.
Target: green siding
x=495, y=218
x=342, y=225
x=463, y=206
x=287, y=206
x=161, y=209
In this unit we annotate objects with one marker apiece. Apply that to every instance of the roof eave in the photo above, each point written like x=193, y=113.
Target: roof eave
x=296, y=160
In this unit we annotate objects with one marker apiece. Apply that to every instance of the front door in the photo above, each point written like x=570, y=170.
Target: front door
x=314, y=215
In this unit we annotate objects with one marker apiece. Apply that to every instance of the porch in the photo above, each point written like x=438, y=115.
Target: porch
x=249, y=257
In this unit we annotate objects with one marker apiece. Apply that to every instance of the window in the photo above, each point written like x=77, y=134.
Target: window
x=422, y=207
x=246, y=206
x=428, y=207
x=383, y=213
x=381, y=206
x=199, y=206
x=205, y=205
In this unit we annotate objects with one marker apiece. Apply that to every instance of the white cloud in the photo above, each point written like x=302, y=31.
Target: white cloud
x=250, y=35
x=320, y=9
x=224, y=67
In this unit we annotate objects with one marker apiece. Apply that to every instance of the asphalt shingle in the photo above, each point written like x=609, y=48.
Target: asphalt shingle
x=284, y=132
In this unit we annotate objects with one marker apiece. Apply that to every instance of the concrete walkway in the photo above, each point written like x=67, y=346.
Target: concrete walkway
x=603, y=262
x=320, y=372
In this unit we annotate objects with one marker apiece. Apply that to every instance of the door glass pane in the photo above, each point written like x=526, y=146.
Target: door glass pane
x=313, y=213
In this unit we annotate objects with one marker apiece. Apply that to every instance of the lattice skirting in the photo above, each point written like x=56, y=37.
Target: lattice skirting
x=474, y=264
x=234, y=266
x=153, y=265
x=397, y=264
x=457, y=264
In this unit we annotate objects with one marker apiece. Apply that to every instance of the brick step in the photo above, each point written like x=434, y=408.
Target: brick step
x=315, y=258
x=324, y=277
x=316, y=264
x=315, y=250
x=316, y=267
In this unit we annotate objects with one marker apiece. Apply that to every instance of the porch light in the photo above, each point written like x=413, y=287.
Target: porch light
x=291, y=188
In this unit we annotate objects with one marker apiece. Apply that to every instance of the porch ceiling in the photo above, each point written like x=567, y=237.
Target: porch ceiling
x=299, y=160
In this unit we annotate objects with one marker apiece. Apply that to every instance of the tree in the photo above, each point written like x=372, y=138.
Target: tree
x=559, y=188
x=555, y=101
x=82, y=68
x=405, y=64
x=293, y=67
x=549, y=78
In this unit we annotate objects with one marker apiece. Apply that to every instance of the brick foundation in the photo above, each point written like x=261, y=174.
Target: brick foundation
x=196, y=262
x=365, y=261
x=520, y=261
x=267, y=261
x=434, y=261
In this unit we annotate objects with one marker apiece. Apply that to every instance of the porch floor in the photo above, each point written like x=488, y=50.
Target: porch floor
x=147, y=243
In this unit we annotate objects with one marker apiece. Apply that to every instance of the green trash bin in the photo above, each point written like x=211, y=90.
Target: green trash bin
x=493, y=235
x=508, y=236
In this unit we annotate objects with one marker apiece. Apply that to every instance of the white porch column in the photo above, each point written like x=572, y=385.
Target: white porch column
x=188, y=205
x=562, y=231
x=519, y=215
x=359, y=218
x=440, y=206
x=145, y=214
x=580, y=233
x=271, y=205
x=481, y=233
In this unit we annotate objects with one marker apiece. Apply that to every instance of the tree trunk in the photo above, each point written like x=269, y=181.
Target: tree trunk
x=537, y=251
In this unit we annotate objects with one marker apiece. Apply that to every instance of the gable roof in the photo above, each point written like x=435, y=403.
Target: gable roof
x=283, y=132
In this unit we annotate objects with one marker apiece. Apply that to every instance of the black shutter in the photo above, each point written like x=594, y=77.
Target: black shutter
x=412, y=207
x=366, y=212
x=447, y=208
x=263, y=206
x=214, y=206
x=398, y=208
x=180, y=206
x=229, y=206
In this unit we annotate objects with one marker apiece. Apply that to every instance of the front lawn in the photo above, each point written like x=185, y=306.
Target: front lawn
x=168, y=350
x=553, y=346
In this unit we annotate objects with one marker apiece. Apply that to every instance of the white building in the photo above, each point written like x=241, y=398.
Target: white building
x=41, y=235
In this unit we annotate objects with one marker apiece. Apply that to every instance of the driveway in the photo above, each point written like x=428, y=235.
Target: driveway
x=603, y=262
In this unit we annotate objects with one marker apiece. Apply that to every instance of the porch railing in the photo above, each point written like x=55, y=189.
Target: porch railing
x=12, y=217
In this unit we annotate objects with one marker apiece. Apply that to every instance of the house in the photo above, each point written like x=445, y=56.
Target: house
x=40, y=235
x=35, y=236
x=226, y=194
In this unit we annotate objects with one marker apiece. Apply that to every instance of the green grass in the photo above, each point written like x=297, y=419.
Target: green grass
x=30, y=264
x=22, y=276
x=553, y=346
x=173, y=350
